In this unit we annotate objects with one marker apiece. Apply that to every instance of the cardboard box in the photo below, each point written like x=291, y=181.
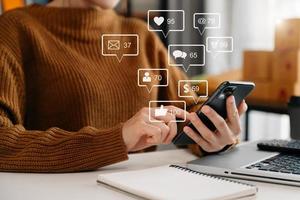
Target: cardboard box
x=261, y=92
x=257, y=65
x=274, y=92
x=282, y=91
x=287, y=34
x=286, y=66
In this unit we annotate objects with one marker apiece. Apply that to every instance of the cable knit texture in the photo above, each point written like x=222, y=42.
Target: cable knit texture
x=62, y=104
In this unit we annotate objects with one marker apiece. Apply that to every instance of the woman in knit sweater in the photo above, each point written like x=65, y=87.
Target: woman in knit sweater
x=65, y=108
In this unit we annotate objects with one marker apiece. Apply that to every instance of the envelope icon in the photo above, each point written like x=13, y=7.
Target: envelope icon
x=113, y=45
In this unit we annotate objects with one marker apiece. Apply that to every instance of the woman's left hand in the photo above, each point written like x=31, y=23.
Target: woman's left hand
x=228, y=131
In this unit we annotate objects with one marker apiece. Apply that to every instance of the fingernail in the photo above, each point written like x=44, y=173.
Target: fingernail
x=185, y=129
x=245, y=106
x=205, y=109
x=232, y=100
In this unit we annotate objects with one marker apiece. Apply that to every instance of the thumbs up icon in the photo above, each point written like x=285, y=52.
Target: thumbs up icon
x=159, y=112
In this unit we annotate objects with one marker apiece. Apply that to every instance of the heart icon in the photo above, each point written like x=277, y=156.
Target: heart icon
x=159, y=20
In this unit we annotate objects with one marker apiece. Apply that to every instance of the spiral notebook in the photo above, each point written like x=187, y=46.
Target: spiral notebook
x=174, y=182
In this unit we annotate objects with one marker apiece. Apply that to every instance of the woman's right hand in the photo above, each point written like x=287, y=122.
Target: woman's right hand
x=139, y=132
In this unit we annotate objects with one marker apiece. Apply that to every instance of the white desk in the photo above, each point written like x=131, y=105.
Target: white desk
x=83, y=186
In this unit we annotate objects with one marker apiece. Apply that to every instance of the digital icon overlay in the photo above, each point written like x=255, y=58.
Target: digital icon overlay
x=186, y=55
x=157, y=20
x=159, y=109
x=120, y=45
x=219, y=44
x=151, y=78
x=189, y=89
x=204, y=21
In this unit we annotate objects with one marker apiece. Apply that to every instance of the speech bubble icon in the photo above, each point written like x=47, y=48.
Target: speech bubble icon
x=219, y=44
x=120, y=45
x=203, y=21
x=186, y=55
x=151, y=78
x=166, y=21
x=159, y=109
x=195, y=89
x=179, y=54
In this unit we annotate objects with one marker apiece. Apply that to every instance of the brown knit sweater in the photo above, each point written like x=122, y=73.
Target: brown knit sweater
x=62, y=104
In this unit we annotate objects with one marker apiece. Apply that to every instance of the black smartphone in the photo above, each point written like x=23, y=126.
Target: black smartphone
x=239, y=89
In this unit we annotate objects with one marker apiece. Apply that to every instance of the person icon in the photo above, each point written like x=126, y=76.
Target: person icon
x=147, y=78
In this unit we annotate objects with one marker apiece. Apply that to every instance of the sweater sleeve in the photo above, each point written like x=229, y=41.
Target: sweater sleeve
x=53, y=150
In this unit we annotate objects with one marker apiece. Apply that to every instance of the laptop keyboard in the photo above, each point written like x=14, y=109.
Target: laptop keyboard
x=281, y=163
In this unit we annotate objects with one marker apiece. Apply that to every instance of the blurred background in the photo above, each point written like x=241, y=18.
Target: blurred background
x=251, y=23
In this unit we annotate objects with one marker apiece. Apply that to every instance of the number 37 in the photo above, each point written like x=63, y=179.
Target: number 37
x=127, y=45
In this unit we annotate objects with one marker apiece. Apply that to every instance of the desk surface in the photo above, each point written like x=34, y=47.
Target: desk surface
x=75, y=186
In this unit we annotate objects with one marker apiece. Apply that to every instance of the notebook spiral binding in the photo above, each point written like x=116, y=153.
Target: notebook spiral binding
x=210, y=176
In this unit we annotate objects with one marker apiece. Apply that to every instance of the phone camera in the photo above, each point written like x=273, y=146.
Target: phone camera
x=229, y=91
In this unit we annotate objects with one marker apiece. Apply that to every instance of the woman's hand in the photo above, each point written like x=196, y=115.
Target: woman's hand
x=227, y=132
x=140, y=132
